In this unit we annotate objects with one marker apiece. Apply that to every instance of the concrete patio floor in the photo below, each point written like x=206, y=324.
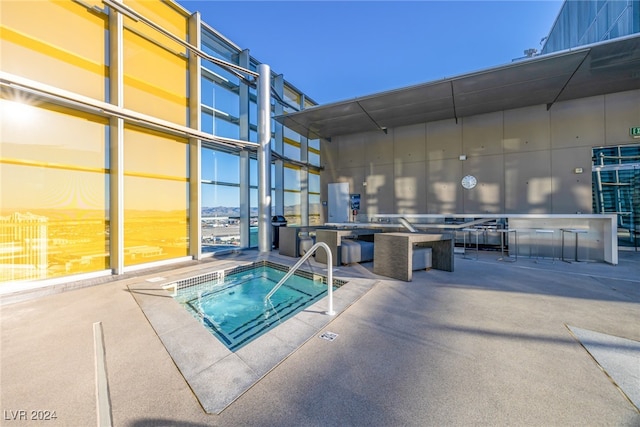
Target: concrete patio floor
x=488, y=344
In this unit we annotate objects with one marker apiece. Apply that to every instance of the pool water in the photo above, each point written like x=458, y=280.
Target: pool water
x=235, y=310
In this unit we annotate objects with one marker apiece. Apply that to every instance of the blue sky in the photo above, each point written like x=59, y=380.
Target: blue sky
x=337, y=50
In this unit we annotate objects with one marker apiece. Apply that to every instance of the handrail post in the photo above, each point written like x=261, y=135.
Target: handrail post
x=330, y=311
x=297, y=265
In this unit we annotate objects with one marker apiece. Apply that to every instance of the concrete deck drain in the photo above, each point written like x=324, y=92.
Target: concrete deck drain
x=329, y=336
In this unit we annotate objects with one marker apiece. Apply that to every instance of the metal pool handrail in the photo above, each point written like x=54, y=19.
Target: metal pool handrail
x=297, y=265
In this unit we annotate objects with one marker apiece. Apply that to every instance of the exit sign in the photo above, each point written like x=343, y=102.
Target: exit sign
x=635, y=132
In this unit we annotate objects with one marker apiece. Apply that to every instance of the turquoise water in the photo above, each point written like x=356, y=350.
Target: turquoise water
x=235, y=311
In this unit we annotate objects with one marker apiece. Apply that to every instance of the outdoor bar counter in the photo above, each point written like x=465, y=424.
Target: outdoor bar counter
x=393, y=253
x=585, y=237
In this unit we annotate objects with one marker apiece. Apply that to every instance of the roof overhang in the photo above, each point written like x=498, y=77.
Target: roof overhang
x=607, y=67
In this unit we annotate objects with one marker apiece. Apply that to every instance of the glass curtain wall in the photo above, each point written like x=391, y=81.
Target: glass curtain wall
x=616, y=188
x=156, y=175
x=292, y=148
x=292, y=194
x=64, y=207
x=54, y=190
x=156, y=196
x=221, y=170
x=220, y=180
x=315, y=207
x=56, y=197
x=586, y=21
x=220, y=200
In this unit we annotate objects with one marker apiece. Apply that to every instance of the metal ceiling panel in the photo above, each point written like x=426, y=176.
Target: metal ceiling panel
x=517, y=73
x=607, y=67
x=326, y=120
x=524, y=94
x=380, y=115
x=421, y=117
x=343, y=126
x=424, y=93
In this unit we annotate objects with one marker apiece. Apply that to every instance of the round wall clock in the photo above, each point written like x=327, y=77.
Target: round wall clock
x=469, y=182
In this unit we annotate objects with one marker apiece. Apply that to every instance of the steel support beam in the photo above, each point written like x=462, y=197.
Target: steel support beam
x=195, y=144
x=116, y=144
x=264, y=158
x=245, y=181
x=278, y=141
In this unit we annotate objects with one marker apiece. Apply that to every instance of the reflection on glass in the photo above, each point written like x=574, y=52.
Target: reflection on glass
x=314, y=183
x=616, y=188
x=155, y=66
x=291, y=178
x=314, y=158
x=159, y=94
x=586, y=22
x=225, y=128
x=291, y=96
x=220, y=200
x=53, y=193
x=292, y=151
x=156, y=197
x=39, y=41
x=315, y=208
x=220, y=217
x=292, y=207
x=218, y=166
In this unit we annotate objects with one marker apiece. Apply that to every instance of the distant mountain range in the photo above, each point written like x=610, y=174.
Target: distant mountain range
x=234, y=212
x=225, y=211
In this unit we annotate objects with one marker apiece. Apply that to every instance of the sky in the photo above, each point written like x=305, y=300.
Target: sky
x=339, y=50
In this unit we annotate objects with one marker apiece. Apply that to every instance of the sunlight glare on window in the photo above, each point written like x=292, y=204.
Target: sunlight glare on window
x=17, y=111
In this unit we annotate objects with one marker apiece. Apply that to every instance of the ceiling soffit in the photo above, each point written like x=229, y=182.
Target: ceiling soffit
x=608, y=67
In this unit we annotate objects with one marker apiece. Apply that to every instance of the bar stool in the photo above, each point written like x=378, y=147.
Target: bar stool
x=472, y=230
x=575, y=231
x=456, y=250
x=502, y=232
x=539, y=233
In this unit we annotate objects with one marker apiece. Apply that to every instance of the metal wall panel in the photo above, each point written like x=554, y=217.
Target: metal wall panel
x=527, y=182
x=526, y=129
x=622, y=113
x=378, y=147
x=531, y=170
x=444, y=193
x=351, y=149
x=409, y=143
x=482, y=135
x=571, y=191
x=379, y=196
x=410, y=187
x=444, y=140
x=578, y=123
x=487, y=196
x=338, y=202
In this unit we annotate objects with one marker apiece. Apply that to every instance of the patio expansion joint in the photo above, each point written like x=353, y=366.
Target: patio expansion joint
x=618, y=358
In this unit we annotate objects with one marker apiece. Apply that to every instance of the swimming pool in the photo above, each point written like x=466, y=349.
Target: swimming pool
x=231, y=304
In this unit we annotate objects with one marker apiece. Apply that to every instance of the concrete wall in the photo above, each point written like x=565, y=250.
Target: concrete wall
x=524, y=159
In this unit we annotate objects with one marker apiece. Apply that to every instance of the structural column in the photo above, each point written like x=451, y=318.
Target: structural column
x=195, y=145
x=264, y=158
x=116, y=143
x=304, y=175
x=278, y=141
x=245, y=181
